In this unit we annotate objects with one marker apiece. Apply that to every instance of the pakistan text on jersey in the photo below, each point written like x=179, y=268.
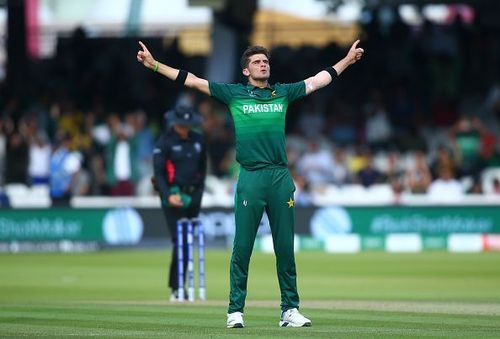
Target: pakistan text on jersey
x=258, y=108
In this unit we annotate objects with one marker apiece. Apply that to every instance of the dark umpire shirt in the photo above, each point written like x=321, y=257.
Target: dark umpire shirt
x=179, y=162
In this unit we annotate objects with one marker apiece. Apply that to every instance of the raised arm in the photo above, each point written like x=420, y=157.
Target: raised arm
x=145, y=57
x=326, y=76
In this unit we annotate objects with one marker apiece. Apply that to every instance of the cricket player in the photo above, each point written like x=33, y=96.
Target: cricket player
x=264, y=183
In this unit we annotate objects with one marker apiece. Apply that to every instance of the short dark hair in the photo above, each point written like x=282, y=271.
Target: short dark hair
x=252, y=50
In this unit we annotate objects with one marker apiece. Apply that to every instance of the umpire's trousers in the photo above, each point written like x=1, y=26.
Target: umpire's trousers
x=172, y=215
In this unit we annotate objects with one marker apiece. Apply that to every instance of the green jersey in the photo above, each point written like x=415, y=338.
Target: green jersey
x=259, y=120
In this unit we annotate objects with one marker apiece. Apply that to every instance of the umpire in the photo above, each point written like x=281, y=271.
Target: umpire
x=180, y=159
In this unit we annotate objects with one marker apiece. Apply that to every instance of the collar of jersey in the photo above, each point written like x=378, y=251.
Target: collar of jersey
x=251, y=87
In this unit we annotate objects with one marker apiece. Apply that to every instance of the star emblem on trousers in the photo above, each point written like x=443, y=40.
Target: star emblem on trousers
x=290, y=203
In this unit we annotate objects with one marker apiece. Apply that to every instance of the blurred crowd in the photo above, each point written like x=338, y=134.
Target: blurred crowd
x=421, y=113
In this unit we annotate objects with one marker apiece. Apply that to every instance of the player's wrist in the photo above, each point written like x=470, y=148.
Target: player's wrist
x=154, y=65
x=350, y=60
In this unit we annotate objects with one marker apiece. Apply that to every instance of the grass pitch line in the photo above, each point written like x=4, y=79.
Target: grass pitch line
x=353, y=305
x=407, y=306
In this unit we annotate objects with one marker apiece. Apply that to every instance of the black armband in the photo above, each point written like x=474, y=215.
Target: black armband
x=181, y=77
x=333, y=72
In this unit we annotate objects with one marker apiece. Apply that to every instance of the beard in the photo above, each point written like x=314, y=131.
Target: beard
x=260, y=77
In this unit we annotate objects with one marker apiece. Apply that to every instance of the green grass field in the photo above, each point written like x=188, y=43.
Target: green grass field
x=124, y=294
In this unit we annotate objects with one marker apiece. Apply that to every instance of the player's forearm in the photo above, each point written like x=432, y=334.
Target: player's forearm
x=181, y=77
x=165, y=70
x=326, y=76
x=191, y=80
x=172, y=73
x=342, y=65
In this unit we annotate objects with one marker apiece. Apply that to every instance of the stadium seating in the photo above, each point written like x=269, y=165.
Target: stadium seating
x=487, y=177
x=23, y=196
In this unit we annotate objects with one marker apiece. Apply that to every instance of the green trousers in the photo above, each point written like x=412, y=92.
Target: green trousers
x=270, y=190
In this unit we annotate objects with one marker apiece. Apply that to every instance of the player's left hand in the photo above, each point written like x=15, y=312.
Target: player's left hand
x=354, y=53
x=145, y=57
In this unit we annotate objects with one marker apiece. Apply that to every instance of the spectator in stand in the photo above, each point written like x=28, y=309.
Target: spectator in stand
x=102, y=132
x=39, y=160
x=492, y=102
x=393, y=170
x=369, y=175
x=229, y=165
x=402, y=112
x=445, y=187
x=71, y=121
x=476, y=187
x=4, y=199
x=219, y=138
x=443, y=158
x=466, y=138
x=312, y=121
x=92, y=177
x=145, y=146
x=121, y=165
x=358, y=160
x=302, y=194
x=3, y=150
x=378, y=129
x=97, y=169
x=496, y=186
x=394, y=174
x=145, y=143
x=63, y=165
x=293, y=157
x=340, y=169
x=418, y=178
x=16, y=159
x=344, y=127
x=81, y=183
x=316, y=164
x=489, y=142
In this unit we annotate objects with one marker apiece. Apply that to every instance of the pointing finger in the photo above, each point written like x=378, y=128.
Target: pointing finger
x=355, y=44
x=143, y=46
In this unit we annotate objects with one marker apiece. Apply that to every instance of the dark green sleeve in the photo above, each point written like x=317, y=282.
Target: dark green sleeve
x=221, y=92
x=295, y=90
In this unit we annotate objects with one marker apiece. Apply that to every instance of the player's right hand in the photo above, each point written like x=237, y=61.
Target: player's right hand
x=145, y=57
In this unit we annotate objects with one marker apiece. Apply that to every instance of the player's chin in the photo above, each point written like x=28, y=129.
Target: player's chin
x=262, y=77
